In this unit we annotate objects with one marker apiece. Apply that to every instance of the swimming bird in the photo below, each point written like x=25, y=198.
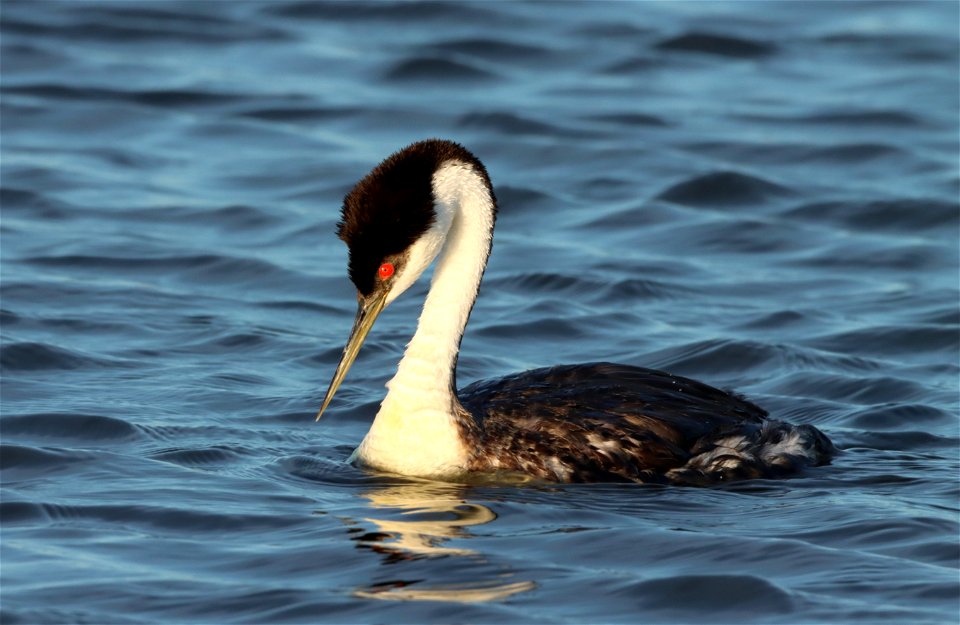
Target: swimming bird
x=571, y=423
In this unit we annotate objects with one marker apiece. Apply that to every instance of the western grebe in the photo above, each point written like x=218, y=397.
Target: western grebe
x=574, y=423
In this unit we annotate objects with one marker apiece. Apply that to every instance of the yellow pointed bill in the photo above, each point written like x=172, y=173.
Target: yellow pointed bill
x=367, y=312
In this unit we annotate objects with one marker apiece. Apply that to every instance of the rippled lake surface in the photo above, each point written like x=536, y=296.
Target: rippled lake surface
x=761, y=196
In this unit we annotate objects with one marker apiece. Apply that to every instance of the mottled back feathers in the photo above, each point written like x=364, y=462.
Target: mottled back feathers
x=609, y=422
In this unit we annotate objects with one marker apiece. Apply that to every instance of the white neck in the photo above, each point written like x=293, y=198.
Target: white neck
x=416, y=430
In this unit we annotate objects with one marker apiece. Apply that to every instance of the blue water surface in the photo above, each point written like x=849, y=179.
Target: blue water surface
x=763, y=196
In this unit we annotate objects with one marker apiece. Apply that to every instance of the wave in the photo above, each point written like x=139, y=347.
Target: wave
x=113, y=24
x=432, y=69
x=511, y=124
x=717, y=45
x=491, y=49
x=912, y=214
x=67, y=426
x=163, y=98
x=208, y=268
x=417, y=13
x=724, y=188
x=36, y=356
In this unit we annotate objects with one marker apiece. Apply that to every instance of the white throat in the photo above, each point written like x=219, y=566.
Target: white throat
x=416, y=431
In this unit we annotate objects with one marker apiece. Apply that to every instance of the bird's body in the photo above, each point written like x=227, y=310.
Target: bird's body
x=574, y=423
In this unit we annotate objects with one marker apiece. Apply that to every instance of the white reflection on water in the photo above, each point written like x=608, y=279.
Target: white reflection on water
x=430, y=514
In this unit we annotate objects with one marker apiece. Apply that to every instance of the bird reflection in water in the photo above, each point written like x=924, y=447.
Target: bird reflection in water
x=417, y=520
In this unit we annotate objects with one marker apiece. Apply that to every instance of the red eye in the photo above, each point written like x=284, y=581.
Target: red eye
x=385, y=271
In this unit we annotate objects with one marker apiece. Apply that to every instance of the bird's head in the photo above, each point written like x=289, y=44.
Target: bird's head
x=394, y=227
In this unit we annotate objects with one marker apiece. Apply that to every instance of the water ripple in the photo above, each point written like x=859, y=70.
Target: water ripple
x=765, y=200
x=429, y=69
x=717, y=45
x=724, y=188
